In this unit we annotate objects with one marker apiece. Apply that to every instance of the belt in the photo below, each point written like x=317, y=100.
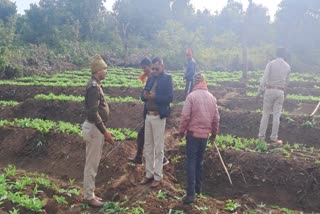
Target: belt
x=275, y=87
x=153, y=113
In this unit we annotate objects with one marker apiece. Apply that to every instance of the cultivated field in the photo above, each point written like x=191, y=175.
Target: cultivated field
x=42, y=154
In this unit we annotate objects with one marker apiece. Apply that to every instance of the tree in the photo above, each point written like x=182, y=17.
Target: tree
x=8, y=12
x=298, y=29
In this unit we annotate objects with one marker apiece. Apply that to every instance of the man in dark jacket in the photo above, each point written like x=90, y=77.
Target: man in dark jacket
x=189, y=72
x=157, y=95
x=147, y=72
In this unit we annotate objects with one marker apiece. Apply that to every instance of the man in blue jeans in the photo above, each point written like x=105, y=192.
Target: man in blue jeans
x=199, y=118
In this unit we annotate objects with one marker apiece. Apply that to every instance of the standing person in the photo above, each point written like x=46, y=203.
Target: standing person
x=146, y=67
x=189, y=72
x=274, y=82
x=157, y=95
x=199, y=118
x=93, y=129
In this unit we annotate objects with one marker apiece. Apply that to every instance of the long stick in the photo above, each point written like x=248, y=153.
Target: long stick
x=116, y=147
x=224, y=166
x=316, y=109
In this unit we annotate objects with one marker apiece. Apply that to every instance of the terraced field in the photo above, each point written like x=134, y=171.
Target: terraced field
x=42, y=153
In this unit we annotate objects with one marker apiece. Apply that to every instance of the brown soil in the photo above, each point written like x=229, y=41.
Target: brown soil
x=21, y=93
x=128, y=115
x=273, y=179
x=267, y=178
x=246, y=124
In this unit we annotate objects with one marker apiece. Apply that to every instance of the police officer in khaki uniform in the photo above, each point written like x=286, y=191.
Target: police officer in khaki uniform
x=93, y=129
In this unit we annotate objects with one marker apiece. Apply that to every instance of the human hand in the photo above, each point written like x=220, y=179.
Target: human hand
x=108, y=137
x=212, y=138
x=181, y=136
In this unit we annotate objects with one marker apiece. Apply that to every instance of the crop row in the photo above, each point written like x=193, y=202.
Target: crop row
x=63, y=97
x=298, y=97
x=126, y=77
x=51, y=96
x=230, y=142
x=14, y=187
x=45, y=126
x=25, y=191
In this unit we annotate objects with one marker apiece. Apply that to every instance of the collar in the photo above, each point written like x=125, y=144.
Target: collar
x=94, y=78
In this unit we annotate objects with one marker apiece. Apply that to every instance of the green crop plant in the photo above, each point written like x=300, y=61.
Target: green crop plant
x=309, y=124
x=161, y=195
x=71, y=181
x=60, y=199
x=10, y=170
x=8, y=103
x=137, y=210
x=231, y=206
x=114, y=208
x=14, y=211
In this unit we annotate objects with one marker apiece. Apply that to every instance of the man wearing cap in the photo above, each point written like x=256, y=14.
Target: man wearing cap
x=157, y=95
x=94, y=130
x=189, y=72
x=273, y=84
x=147, y=72
x=199, y=118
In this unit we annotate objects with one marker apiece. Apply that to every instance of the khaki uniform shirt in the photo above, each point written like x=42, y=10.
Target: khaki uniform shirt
x=276, y=74
x=96, y=106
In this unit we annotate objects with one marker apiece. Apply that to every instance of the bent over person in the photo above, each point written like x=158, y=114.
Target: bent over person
x=93, y=129
x=273, y=83
x=199, y=118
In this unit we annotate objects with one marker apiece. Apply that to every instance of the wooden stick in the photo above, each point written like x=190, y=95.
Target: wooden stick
x=224, y=166
x=316, y=109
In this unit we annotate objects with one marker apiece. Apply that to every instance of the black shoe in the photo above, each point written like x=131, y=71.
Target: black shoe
x=165, y=161
x=188, y=199
x=135, y=160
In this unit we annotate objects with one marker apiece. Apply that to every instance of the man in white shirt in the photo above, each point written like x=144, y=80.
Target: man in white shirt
x=274, y=83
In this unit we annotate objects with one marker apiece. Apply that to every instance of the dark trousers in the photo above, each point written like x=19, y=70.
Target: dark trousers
x=195, y=149
x=188, y=88
x=140, y=143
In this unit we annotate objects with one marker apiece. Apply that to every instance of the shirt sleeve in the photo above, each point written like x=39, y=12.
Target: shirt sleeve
x=93, y=101
x=186, y=115
x=265, y=78
x=215, y=121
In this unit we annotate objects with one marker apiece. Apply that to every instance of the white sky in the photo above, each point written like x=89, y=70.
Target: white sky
x=212, y=5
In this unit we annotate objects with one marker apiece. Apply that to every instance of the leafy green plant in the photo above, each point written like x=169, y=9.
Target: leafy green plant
x=14, y=211
x=10, y=170
x=113, y=207
x=60, y=199
x=231, y=206
x=202, y=208
x=161, y=195
x=71, y=181
x=261, y=146
x=8, y=103
x=137, y=210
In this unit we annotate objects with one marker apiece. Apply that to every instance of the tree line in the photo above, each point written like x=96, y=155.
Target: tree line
x=73, y=30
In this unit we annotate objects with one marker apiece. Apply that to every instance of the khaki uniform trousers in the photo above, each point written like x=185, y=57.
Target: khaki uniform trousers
x=154, y=146
x=272, y=104
x=94, y=143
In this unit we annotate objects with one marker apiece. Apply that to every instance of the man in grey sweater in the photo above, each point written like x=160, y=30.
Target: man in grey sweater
x=274, y=83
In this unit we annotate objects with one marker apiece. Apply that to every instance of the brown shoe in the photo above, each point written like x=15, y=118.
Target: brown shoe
x=155, y=183
x=146, y=180
x=276, y=142
x=95, y=202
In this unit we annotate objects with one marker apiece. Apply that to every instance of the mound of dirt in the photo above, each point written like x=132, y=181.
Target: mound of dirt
x=274, y=179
